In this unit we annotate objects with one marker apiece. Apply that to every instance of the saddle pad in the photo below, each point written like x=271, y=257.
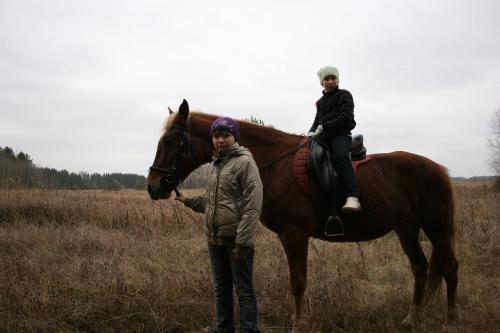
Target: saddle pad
x=357, y=163
x=309, y=186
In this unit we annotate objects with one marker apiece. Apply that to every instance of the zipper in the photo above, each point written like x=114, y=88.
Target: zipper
x=214, y=227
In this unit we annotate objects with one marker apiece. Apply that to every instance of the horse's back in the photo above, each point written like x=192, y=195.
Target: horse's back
x=403, y=186
x=406, y=168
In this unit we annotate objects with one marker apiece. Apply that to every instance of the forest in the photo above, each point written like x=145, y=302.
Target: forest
x=19, y=171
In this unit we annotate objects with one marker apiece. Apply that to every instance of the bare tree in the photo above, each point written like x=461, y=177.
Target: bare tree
x=494, y=143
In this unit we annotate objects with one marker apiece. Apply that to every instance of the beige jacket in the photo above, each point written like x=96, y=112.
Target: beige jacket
x=233, y=200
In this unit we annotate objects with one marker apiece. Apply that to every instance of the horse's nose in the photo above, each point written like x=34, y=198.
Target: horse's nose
x=150, y=191
x=154, y=194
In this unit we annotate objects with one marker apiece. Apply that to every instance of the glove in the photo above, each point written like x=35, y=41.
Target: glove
x=310, y=134
x=318, y=131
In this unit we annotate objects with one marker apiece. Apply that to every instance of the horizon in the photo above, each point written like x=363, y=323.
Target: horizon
x=116, y=172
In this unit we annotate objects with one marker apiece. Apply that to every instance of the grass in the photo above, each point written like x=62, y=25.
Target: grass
x=95, y=261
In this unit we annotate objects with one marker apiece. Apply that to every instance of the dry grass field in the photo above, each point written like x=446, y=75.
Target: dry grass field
x=93, y=261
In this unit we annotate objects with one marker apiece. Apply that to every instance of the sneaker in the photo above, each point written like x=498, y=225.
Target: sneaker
x=351, y=205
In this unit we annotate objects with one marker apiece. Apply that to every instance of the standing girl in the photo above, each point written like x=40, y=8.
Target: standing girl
x=232, y=205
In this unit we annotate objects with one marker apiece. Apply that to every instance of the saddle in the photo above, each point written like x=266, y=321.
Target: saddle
x=319, y=161
x=313, y=170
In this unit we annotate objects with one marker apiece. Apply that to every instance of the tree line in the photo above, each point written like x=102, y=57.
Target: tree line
x=197, y=178
x=19, y=171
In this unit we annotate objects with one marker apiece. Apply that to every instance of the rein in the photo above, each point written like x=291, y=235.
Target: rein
x=284, y=156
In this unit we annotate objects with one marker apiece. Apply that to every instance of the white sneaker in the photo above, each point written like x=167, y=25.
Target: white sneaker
x=351, y=205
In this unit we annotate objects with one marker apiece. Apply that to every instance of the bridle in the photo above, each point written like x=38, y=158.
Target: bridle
x=171, y=172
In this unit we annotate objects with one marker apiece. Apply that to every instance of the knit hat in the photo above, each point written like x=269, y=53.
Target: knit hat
x=226, y=124
x=326, y=71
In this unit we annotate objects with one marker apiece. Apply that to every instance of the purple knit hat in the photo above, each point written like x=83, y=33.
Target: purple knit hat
x=226, y=124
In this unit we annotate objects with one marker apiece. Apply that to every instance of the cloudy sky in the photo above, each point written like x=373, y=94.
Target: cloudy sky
x=85, y=85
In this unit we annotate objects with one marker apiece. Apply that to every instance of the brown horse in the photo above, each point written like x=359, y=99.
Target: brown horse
x=399, y=191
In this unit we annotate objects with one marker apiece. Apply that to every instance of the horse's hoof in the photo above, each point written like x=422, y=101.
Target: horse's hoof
x=452, y=321
x=452, y=316
x=299, y=325
x=451, y=327
x=409, y=323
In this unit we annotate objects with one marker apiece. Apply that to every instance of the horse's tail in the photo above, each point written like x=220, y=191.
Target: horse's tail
x=435, y=271
x=434, y=276
x=452, y=222
x=451, y=216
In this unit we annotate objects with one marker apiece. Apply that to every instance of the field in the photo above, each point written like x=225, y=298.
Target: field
x=102, y=261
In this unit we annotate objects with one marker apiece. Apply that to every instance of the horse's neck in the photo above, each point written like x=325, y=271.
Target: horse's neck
x=200, y=129
x=266, y=144
x=265, y=151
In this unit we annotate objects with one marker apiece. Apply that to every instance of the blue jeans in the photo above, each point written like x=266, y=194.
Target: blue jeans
x=340, y=146
x=227, y=271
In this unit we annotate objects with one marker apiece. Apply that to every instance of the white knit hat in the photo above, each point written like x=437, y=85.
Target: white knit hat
x=326, y=71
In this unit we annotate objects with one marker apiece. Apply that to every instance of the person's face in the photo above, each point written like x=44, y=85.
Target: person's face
x=223, y=139
x=330, y=82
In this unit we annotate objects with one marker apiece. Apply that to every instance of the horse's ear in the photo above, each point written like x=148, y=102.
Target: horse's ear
x=170, y=110
x=184, y=109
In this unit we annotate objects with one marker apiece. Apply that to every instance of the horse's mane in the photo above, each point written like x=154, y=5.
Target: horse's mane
x=248, y=126
x=167, y=124
x=170, y=120
x=260, y=136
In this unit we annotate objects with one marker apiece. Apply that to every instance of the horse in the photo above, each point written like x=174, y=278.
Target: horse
x=399, y=191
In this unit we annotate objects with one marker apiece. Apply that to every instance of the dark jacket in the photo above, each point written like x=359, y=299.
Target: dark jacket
x=335, y=111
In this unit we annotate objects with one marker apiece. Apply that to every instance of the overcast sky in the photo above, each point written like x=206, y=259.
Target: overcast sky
x=85, y=85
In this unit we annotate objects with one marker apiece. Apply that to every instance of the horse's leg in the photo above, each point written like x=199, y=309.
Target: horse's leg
x=296, y=243
x=408, y=236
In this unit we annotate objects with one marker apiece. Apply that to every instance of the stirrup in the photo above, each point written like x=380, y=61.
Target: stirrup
x=334, y=219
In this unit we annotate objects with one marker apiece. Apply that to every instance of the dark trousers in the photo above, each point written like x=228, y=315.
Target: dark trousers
x=340, y=146
x=227, y=271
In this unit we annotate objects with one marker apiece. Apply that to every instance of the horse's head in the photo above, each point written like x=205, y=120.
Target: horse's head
x=174, y=158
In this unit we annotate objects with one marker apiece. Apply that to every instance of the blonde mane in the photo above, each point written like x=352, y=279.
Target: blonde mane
x=167, y=124
x=244, y=124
